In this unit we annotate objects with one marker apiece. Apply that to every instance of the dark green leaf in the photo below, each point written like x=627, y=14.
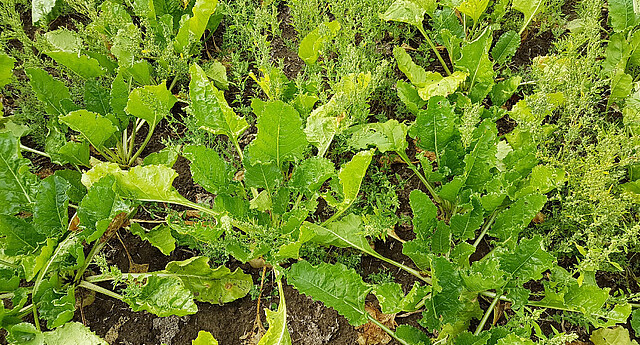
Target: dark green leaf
x=506, y=47
x=311, y=173
x=262, y=175
x=475, y=60
x=160, y=237
x=435, y=126
x=48, y=90
x=96, y=98
x=99, y=207
x=509, y=223
x=425, y=214
x=55, y=304
x=16, y=188
x=19, y=237
x=51, y=212
x=208, y=169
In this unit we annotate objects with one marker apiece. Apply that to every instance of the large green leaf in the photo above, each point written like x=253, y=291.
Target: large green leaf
x=42, y=10
x=6, y=69
x=473, y=8
x=160, y=237
x=425, y=214
x=416, y=74
x=149, y=183
x=612, y=336
x=311, y=173
x=280, y=137
x=623, y=14
x=405, y=11
x=635, y=322
x=277, y=334
x=163, y=296
x=193, y=28
x=529, y=8
x=435, y=126
x=97, y=97
x=51, y=211
x=351, y=176
x=18, y=236
x=99, y=207
x=55, y=303
x=386, y=136
x=393, y=300
x=72, y=333
x=218, y=285
x=506, y=47
x=208, y=169
x=526, y=262
x=94, y=127
x=48, y=90
x=482, y=158
x=151, y=103
x=347, y=232
x=314, y=41
x=336, y=286
x=210, y=109
x=16, y=182
x=84, y=66
x=475, y=60
x=510, y=222
x=261, y=175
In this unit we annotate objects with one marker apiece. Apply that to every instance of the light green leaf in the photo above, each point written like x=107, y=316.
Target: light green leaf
x=167, y=156
x=529, y=8
x=621, y=86
x=160, y=237
x=412, y=335
x=347, y=232
x=612, y=336
x=510, y=222
x=217, y=286
x=277, y=334
x=502, y=91
x=405, y=11
x=320, y=131
x=442, y=86
x=194, y=27
x=151, y=103
x=94, y=127
x=51, y=212
x=48, y=90
x=99, y=207
x=473, y=8
x=280, y=137
x=16, y=189
x=350, y=176
x=464, y=225
x=475, y=60
x=623, y=14
x=410, y=97
x=149, y=183
x=208, y=169
x=513, y=339
x=6, y=69
x=386, y=136
x=42, y=10
x=204, y=338
x=336, y=286
x=416, y=74
x=441, y=239
x=311, y=173
x=84, y=66
x=72, y=333
x=163, y=296
x=392, y=299
x=436, y=126
x=217, y=72
x=64, y=40
x=313, y=43
x=506, y=47
x=210, y=109
x=25, y=333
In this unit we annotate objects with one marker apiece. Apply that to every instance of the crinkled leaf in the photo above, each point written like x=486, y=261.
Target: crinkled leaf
x=99, y=207
x=416, y=74
x=314, y=41
x=51, y=212
x=218, y=285
x=278, y=333
x=119, y=97
x=163, y=296
x=510, y=222
x=424, y=214
x=311, y=173
x=526, y=262
x=386, y=136
x=204, y=338
x=482, y=158
x=208, y=169
x=149, y=183
x=405, y=11
x=72, y=333
x=473, y=8
x=48, y=90
x=42, y=10
x=33, y=263
x=336, y=286
x=6, y=69
x=160, y=237
x=167, y=156
x=612, y=336
x=16, y=182
x=393, y=300
x=94, y=127
x=55, y=304
x=262, y=175
x=441, y=239
x=280, y=137
x=464, y=225
x=506, y=47
x=483, y=275
x=419, y=252
x=210, y=109
x=96, y=97
x=435, y=126
x=84, y=66
x=151, y=103
x=217, y=72
x=25, y=333
x=18, y=236
x=442, y=86
x=475, y=60
x=623, y=14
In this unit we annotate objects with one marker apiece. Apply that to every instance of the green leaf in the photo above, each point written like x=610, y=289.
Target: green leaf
x=72, y=333
x=351, y=176
x=436, y=126
x=612, y=336
x=513, y=339
x=506, y=47
x=16, y=189
x=208, y=169
x=48, y=90
x=410, y=97
x=94, y=127
x=280, y=137
x=55, y=304
x=42, y=10
x=163, y=296
x=160, y=237
x=99, y=207
x=204, y=338
x=635, y=322
x=475, y=60
x=425, y=214
x=502, y=91
x=347, y=232
x=473, y=8
x=217, y=286
x=442, y=86
x=412, y=335
x=193, y=29
x=277, y=334
x=405, y=11
x=25, y=333
x=483, y=275
x=623, y=14
x=76, y=153
x=510, y=222
x=529, y=8
x=392, y=299
x=261, y=175
x=621, y=87
x=6, y=69
x=19, y=237
x=149, y=183
x=210, y=108
x=151, y=103
x=217, y=72
x=84, y=66
x=167, y=156
x=51, y=211
x=96, y=97
x=482, y=158
x=386, y=136
x=311, y=174
x=314, y=41
x=441, y=239
x=119, y=98
x=526, y=262
x=464, y=225
x=416, y=74
x=336, y=286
